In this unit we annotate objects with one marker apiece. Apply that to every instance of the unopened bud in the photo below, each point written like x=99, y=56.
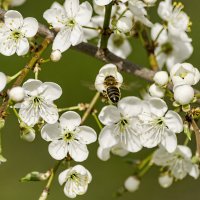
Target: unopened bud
x=56, y=55
x=16, y=94
x=27, y=132
x=132, y=183
x=36, y=176
x=183, y=94
x=165, y=180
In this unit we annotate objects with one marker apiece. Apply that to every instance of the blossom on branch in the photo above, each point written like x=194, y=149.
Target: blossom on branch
x=14, y=33
x=76, y=180
x=38, y=102
x=68, y=20
x=68, y=137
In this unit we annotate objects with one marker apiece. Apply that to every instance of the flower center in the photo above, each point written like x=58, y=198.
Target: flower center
x=118, y=41
x=122, y=124
x=37, y=100
x=167, y=48
x=16, y=35
x=68, y=136
x=71, y=23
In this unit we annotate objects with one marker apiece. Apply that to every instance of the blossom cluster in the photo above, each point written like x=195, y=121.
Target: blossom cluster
x=129, y=123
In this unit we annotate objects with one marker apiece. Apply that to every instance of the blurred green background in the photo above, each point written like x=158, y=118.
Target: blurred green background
x=70, y=73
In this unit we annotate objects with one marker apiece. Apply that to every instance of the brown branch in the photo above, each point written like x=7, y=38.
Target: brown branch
x=103, y=55
x=197, y=135
x=24, y=73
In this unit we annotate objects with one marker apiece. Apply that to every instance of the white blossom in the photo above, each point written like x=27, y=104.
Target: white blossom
x=105, y=71
x=104, y=153
x=178, y=20
x=161, y=78
x=150, y=2
x=3, y=81
x=14, y=33
x=184, y=73
x=156, y=91
x=120, y=125
x=68, y=20
x=119, y=45
x=38, y=102
x=137, y=7
x=68, y=137
x=132, y=183
x=124, y=24
x=16, y=94
x=179, y=163
x=171, y=49
x=102, y=2
x=158, y=126
x=165, y=180
x=75, y=180
x=183, y=94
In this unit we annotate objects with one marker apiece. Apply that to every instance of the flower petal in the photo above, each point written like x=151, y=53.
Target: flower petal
x=58, y=149
x=71, y=7
x=157, y=106
x=103, y=153
x=107, y=138
x=109, y=115
x=13, y=19
x=76, y=35
x=28, y=113
x=78, y=151
x=84, y=14
x=169, y=141
x=31, y=85
x=52, y=91
x=51, y=132
x=62, y=40
x=86, y=135
x=30, y=27
x=55, y=16
x=70, y=120
x=63, y=176
x=3, y=81
x=8, y=47
x=22, y=47
x=130, y=106
x=174, y=121
x=49, y=112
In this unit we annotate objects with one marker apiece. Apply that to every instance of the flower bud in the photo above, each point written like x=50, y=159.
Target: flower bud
x=27, y=132
x=183, y=94
x=16, y=94
x=124, y=24
x=36, y=176
x=156, y=91
x=165, y=180
x=132, y=183
x=56, y=55
x=161, y=78
x=3, y=81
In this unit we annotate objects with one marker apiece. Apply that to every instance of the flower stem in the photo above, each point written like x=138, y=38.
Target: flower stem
x=197, y=135
x=69, y=108
x=97, y=120
x=45, y=192
x=11, y=78
x=106, y=31
x=90, y=107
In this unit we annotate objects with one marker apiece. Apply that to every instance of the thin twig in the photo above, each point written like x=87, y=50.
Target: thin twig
x=197, y=135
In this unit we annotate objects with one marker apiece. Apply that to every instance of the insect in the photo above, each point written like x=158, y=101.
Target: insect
x=112, y=89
